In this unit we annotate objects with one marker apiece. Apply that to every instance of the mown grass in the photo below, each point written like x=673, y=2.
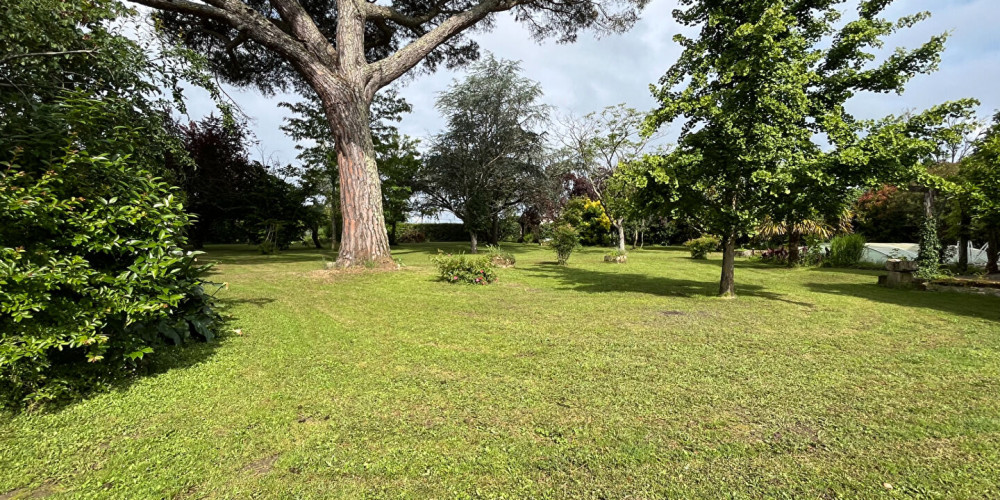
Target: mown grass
x=593, y=380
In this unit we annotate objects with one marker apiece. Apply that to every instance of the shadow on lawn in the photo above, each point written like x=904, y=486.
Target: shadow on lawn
x=166, y=358
x=976, y=306
x=585, y=280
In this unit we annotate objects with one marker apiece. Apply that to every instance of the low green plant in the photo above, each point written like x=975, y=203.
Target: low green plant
x=462, y=268
x=846, y=250
x=701, y=247
x=564, y=239
x=500, y=257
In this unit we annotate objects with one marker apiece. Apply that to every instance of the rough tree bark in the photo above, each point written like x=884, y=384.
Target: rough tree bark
x=727, y=283
x=474, y=242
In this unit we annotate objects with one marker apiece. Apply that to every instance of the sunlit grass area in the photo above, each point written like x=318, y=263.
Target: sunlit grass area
x=592, y=380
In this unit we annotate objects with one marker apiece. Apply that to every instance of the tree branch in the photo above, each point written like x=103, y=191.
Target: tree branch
x=46, y=54
x=387, y=70
x=305, y=30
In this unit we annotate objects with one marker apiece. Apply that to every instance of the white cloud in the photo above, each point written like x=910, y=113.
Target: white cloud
x=591, y=73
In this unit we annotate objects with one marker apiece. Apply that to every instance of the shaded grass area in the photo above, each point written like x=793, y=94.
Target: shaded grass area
x=588, y=381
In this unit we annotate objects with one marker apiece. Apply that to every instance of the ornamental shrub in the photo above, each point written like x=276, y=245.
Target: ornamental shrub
x=564, y=239
x=462, y=268
x=700, y=247
x=846, y=250
x=92, y=275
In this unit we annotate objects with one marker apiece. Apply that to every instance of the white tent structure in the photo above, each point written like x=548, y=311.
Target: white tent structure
x=878, y=253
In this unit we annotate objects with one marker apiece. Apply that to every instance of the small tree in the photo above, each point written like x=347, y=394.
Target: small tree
x=755, y=87
x=565, y=239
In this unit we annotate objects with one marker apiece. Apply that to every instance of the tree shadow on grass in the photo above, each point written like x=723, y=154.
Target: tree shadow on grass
x=963, y=304
x=101, y=380
x=588, y=281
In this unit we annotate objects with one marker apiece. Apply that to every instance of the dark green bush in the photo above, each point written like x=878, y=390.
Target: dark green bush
x=700, y=247
x=564, y=239
x=92, y=274
x=461, y=268
x=846, y=250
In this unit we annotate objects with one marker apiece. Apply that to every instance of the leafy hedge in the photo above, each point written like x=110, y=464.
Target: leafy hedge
x=92, y=274
x=408, y=232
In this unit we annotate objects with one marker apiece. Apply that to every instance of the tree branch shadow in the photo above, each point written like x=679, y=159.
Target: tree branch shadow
x=589, y=281
x=962, y=304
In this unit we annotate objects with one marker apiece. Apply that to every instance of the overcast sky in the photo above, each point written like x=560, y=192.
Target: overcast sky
x=593, y=73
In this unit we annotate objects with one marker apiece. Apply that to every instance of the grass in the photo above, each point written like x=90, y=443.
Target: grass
x=593, y=381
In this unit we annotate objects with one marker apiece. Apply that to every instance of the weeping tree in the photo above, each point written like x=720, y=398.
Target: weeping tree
x=346, y=50
x=758, y=83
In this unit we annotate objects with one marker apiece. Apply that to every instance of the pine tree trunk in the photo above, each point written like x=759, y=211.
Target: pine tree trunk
x=620, y=223
x=727, y=283
x=364, y=238
x=474, y=242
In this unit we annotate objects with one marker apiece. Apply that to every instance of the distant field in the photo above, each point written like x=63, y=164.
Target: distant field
x=588, y=381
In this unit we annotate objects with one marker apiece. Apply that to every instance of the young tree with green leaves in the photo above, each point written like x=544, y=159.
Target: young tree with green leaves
x=490, y=158
x=345, y=51
x=982, y=175
x=758, y=83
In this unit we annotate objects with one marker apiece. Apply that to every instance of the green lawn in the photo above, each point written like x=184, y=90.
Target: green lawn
x=593, y=380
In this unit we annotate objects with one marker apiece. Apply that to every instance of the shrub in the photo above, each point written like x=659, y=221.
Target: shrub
x=846, y=250
x=499, y=256
x=92, y=276
x=564, y=239
x=461, y=268
x=700, y=247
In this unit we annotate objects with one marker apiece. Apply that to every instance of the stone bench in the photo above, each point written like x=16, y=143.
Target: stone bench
x=900, y=273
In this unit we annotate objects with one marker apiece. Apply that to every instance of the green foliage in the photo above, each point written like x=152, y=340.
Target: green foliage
x=590, y=220
x=564, y=239
x=91, y=270
x=846, y=250
x=93, y=278
x=757, y=87
x=488, y=159
x=929, y=255
x=462, y=268
x=702, y=246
